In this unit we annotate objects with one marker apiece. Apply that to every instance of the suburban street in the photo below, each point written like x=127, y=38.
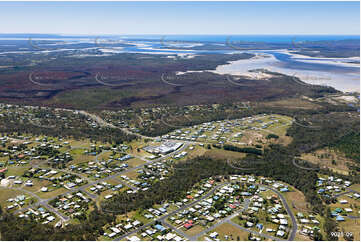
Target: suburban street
x=162, y=219
x=289, y=211
x=225, y=220
x=245, y=207
x=89, y=184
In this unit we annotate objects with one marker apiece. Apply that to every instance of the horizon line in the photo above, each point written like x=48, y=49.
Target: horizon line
x=173, y=34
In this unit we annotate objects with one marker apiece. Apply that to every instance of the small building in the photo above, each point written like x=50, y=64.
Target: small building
x=213, y=235
x=280, y=233
x=159, y=227
x=340, y=218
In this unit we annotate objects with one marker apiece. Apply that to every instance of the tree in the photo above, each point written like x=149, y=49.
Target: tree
x=317, y=235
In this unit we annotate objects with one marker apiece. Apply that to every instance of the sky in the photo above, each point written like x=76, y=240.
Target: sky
x=94, y=18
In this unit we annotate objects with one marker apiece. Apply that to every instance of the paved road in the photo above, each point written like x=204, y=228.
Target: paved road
x=303, y=168
x=245, y=207
x=92, y=196
x=82, y=188
x=126, y=184
x=164, y=217
x=285, y=204
x=178, y=231
x=353, y=217
x=102, y=122
x=73, y=173
x=228, y=219
x=41, y=202
x=349, y=190
x=254, y=232
x=341, y=194
x=54, y=210
x=289, y=211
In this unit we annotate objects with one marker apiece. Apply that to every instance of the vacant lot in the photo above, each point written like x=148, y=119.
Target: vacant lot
x=232, y=232
x=297, y=201
x=224, y=154
x=328, y=158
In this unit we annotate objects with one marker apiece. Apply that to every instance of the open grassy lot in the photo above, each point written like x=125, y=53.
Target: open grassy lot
x=80, y=158
x=16, y=170
x=84, y=143
x=227, y=231
x=123, y=217
x=267, y=193
x=196, y=151
x=196, y=229
x=135, y=162
x=301, y=103
x=3, y=159
x=78, y=151
x=104, y=155
x=351, y=226
x=137, y=145
x=328, y=158
x=139, y=215
x=51, y=194
x=131, y=175
x=352, y=203
x=355, y=187
x=224, y=154
x=251, y=137
x=37, y=185
x=297, y=201
x=300, y=237
x=6, y=193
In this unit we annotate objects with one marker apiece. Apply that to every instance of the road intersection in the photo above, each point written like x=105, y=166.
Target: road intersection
x=225, y=220
x=162, y=219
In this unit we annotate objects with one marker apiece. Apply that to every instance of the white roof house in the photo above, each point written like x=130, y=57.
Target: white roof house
x=213, y=235
x=133, y=238
x=283, y=221
x=280, y=233
x=348, y=210
x=128, y=226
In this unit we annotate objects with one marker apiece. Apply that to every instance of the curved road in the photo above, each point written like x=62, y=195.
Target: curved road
x=82, y=188
x=162, y=219
x=289, y=211
x=226, y=220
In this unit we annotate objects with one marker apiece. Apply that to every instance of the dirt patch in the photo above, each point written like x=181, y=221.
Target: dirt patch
x=231, y=231
x=292, y=103
x=224, y=154
x=328, y=158
x=297, y=201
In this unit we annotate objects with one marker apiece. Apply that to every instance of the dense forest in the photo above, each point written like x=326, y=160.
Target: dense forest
x=249, y=150
x=77, y=131
x=350, y=146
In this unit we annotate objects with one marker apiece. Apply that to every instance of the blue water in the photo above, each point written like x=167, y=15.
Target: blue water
x=292, y=63
x=246, y=38
x=197, y=38
x=342, y=77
